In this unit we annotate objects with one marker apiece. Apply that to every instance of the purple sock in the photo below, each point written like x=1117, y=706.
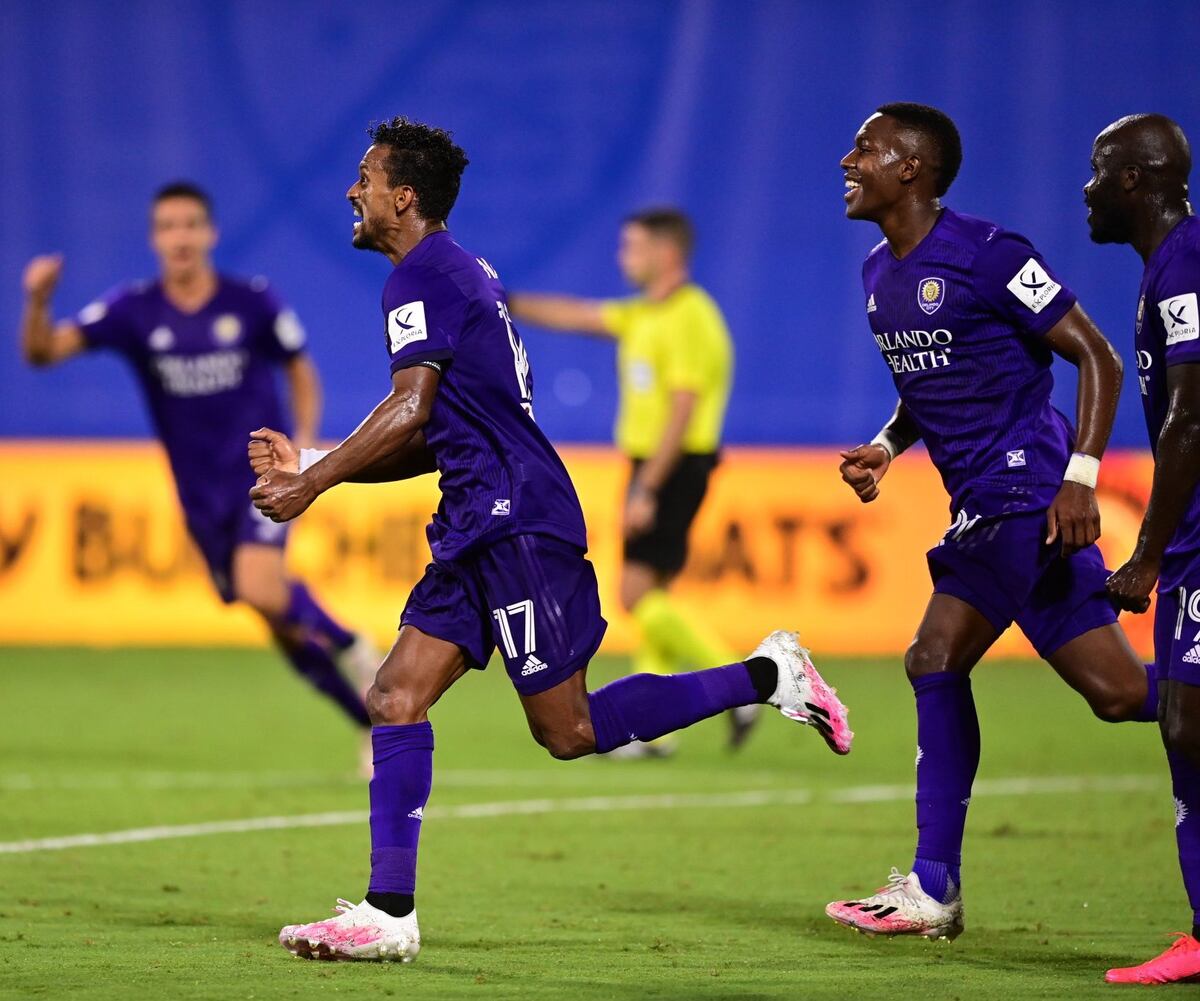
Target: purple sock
x=1185, y=784
x=399, y=791
x=947, y=757
x=1149, y=713
x=304, y=611
x=646, y=706
x=314, y=664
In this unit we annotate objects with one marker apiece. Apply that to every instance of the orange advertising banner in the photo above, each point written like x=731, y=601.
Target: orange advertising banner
x=93, y=549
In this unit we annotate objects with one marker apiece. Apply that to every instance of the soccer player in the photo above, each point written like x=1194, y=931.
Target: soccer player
x=675, y=365
x=508, y=541
x=1138, y=195
x=206, y=349
x=967, y=317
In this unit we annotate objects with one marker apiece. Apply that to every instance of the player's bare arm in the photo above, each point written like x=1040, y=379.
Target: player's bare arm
x=564, y=313
x=387, y=429
x=1074, y=517
x=863, y=467
x=1176, y=475
x=270, y=449
x=42, y=341
x=304, y=389
x=641, y=507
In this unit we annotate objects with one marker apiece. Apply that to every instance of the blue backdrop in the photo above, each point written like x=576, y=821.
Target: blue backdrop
x=573, y=112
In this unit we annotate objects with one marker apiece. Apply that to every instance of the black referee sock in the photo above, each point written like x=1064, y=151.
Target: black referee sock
x=764, y=676
x=396, y=904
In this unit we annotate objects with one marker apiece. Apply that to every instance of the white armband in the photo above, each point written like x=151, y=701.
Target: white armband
x=1082, y=469
x=311, y=456
x=890, y=442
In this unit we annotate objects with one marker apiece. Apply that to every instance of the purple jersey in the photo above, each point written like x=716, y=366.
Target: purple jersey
x=500, y=476
x=1168, y=333
x=959, y=322
x=209, y=379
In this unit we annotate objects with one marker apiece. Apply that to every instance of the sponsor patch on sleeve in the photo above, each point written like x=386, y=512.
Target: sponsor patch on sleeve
x=406, y=324
x=289, y=331
x=1181, y=318
x=1033, y=286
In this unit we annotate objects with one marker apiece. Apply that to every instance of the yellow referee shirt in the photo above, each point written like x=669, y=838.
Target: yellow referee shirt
x=679, y=343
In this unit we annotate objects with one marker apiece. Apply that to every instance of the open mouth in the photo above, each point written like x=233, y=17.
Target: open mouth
x=851, y=187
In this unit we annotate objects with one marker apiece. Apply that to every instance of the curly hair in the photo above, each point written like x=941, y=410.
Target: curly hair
x=424, y=158
x=939, y=129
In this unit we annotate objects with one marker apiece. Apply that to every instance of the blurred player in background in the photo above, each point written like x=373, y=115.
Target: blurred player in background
x=1138, y=195
x=509, y=543
x=674, y=366
x=207, y=350
x=968, y=318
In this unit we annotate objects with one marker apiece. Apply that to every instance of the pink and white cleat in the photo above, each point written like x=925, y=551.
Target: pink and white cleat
x=1180, y=964
x=359, y=931
x=901, y=908
x=802, y=694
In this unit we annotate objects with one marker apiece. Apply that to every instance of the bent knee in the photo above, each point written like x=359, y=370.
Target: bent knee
x=927, y=657
x=568, y=743
x=1118, y=707
x=268, y=601
x=395, y=705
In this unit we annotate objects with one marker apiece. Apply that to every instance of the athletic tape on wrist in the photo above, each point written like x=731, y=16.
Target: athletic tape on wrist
x=1083, y=469
x=889, y=442
x=310, y=456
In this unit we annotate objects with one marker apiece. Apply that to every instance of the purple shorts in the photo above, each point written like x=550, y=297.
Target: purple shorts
x=1001, y=566
x=532, y=596
x=1177, y=633
x=218, y=541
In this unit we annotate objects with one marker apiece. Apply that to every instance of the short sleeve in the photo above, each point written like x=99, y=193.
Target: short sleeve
x=105, y=323
x=688, y=349
x=1176, y=293
x=423, y=314
x=284, y=335
x=617, y=315
x=1014, y=280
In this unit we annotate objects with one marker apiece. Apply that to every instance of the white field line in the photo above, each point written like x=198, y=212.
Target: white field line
x=167, y=781
x=589, y=804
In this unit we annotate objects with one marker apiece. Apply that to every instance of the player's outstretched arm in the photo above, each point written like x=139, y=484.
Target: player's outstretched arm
x=863, y=467
x=388, y=429
x=43, y=343
x=558, y=312
x=1074, y=517
x=1176, y=476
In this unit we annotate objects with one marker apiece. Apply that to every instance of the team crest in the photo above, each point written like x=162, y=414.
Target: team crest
x=227, y=328
x=1140, y=313
x=930, y=293
x=161, y=339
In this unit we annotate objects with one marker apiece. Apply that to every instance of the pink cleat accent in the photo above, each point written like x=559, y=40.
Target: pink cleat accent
x=1180, y=964
x=360, y=932
x=802, y=694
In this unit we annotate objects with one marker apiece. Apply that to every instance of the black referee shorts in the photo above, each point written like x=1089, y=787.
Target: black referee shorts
x=665, y=546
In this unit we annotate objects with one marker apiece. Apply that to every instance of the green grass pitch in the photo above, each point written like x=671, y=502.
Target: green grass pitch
x=718, y=893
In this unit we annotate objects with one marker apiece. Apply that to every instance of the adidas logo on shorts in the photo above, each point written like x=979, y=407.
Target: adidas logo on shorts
x=532, y=666
x=1193, y=655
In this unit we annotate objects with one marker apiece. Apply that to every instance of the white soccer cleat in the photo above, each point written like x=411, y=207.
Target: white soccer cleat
x=802, y=694
x=360, y=931
x=901, y=908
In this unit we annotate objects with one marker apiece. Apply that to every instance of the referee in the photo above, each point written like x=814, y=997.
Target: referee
x=674, y=365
